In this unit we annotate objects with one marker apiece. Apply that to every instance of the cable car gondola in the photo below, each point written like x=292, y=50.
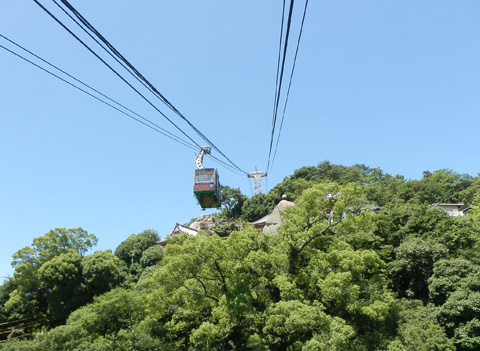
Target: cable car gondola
x=206, y=184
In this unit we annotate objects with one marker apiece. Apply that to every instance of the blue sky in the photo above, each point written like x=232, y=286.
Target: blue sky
x=391, y=84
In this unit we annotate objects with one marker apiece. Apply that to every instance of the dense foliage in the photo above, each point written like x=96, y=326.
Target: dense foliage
x=336, y=276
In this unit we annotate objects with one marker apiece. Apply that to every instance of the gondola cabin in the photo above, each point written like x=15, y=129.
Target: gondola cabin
x=206, y=187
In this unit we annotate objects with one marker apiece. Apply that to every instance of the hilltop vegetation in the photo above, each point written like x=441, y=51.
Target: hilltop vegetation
x=336, y=276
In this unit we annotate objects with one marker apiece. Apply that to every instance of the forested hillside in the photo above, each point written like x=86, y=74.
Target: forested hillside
x=338, y=275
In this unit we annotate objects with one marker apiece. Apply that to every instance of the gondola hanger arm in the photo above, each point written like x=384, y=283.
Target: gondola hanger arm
x=199, y=159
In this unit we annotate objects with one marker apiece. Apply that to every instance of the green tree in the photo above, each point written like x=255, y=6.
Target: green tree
x=62, y=276
x=6, y=289
x=30, y=296
x=322, y=282
x=314, y=223
x=416, y=331
x=455, y=291
x=458, y=234
x=440, y=186
x=130, y=251
x=101, y=272
x=467, y=335
x=52, y=244
x=248, y=289
x=232, y=201
x=342, y=175
x=256, y=207
x=450, y=275
x=421, y=335
x=413, y=266
x=211, y=288
x=459, y=315
x=291, y=187
x=152, y=256
x=451, y=184
x=109, y=323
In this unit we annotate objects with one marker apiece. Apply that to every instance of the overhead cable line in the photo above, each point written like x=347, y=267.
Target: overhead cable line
x=136, y=73
x=231, y=168
x=110, y=49
x=104, y=48
x=170, y=135
x=113, y=70
x=278, y=63
x=152, y=125
x=290, y=82
x=280, y=70
x=139, y=75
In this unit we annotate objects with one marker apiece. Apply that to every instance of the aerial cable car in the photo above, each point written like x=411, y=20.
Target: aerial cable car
x=206, y=185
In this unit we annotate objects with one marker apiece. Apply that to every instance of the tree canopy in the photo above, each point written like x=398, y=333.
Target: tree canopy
x=365, y=261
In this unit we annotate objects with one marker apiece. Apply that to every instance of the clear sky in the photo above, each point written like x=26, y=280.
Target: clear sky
x=390, y=84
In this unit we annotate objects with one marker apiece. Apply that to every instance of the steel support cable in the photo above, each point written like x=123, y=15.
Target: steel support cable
x=290, y=82
x=226, y=165
x=278, y=63
x=114, y=53
x=136, y=73
x=95, y=97
x=170, y=135
x=141, y=77
x=152, y=88
x=277, y=77
x=114, y=71
x=277, y=98
x=104, y=48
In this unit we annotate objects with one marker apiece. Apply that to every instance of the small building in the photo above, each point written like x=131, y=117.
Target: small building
x=274, y=219
x=271, y=222
x=469, y=210
x=453, y=210
x=371, y=208
x=179, y=229
x=260, y=223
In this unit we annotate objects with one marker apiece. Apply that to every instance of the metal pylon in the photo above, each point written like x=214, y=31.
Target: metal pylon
x=257, y=176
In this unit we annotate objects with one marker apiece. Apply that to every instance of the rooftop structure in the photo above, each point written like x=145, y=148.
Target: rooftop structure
x=179, y=229
x=271, y=222
x=452, y=210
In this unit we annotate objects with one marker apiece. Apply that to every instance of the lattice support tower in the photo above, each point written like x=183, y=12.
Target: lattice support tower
x=257, y=176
